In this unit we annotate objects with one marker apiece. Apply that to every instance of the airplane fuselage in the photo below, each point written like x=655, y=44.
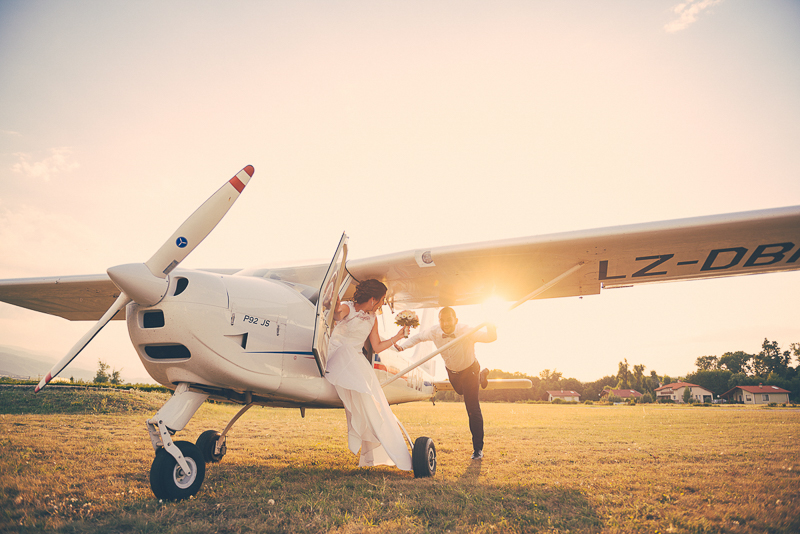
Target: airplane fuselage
x=230, y=335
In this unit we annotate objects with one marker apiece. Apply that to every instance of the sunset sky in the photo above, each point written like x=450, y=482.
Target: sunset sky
x=407, y=125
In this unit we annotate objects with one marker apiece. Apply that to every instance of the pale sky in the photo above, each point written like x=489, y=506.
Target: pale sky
x=408, y=125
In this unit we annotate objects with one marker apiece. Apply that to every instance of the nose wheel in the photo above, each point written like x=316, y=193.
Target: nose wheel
x=423, y=457
x=169, y=481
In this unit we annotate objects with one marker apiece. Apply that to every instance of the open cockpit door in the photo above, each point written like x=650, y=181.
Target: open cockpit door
x=329, y=294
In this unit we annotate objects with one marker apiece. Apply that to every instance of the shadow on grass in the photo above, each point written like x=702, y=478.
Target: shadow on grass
x=317, y=499
x=472, y=472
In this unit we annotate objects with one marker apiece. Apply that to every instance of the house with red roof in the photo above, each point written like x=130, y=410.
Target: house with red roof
x=674, y=392
x=621, y=393
x=566, y=396
x=759, y=394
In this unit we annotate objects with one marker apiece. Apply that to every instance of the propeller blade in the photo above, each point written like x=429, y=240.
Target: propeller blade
x=198, y=225
x=137, y=278
x=120, y=303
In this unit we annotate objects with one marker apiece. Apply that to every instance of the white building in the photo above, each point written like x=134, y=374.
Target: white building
x=566, y=396
x=674, y=392
x=759, y=394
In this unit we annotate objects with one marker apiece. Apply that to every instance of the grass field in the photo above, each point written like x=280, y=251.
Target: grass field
x=79, y=462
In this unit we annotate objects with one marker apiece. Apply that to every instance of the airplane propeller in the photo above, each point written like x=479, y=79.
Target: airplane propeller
x=146, y=283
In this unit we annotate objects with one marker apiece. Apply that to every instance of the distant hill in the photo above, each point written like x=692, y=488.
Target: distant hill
x=17, y=362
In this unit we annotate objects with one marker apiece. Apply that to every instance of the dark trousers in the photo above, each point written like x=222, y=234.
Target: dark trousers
x=466, y=383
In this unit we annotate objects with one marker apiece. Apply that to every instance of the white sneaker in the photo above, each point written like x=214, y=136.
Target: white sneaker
x=477, y=455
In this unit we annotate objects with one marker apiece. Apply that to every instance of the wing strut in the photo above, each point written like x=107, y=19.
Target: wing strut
x=471, y=331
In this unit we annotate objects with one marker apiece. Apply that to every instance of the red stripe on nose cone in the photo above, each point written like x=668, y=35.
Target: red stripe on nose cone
x=237, y=183
x=249, y=170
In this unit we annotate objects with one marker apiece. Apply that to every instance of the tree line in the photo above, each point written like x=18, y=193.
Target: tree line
x=771, y=366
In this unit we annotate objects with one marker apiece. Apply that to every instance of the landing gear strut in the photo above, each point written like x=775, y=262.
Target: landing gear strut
x=212, y=443
x=179, y=468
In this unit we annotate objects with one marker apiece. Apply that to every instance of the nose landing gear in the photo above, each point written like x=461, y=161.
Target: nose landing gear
x=170, y=481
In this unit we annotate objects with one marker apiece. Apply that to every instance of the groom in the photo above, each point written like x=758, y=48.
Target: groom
x=462, y=366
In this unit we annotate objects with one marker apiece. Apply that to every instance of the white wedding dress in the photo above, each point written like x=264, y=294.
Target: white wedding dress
x=371, y=425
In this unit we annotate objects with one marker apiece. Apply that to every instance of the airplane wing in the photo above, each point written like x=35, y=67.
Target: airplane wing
x=685, y=249
x=77, y=298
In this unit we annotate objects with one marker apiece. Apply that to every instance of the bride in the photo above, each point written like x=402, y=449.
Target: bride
x=371, y=425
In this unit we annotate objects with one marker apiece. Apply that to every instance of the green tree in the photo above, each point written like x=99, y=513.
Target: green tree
x=116, y=377
x=741, y=379
x=651, y=383
x=687, y=394
x=591, y=390
x=102, y=376
x=736, y=362
x=624, y=376
x=547, y=376
x=771, y=359
x=715, y=380
x=638, y=378
x=706, y=363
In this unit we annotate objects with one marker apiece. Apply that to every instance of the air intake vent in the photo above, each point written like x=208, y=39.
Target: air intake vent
x=153, y=319
x=180, y=285
x=167, y=352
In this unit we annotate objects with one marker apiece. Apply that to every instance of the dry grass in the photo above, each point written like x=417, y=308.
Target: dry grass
x=548, y=468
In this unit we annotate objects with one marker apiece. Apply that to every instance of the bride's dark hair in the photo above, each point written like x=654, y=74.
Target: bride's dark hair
x=369, y=289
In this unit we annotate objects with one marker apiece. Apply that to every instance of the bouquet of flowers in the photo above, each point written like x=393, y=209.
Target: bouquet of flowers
x=407, y=319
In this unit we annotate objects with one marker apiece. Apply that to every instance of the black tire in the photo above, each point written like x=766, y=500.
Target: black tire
x=423, y=457
x=167, y=479
x=207, y=442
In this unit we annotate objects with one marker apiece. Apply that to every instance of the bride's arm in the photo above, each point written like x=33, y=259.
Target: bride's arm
x=375, y=339
x=342, y=311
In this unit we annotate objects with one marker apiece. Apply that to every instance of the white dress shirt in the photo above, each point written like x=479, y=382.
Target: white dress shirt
x=459, y=356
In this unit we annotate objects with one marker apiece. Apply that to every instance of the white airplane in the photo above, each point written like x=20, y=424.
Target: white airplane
x=259, y=336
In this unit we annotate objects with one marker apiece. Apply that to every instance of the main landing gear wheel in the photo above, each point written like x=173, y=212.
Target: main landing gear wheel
x=168, y=481
x=207, y=443
x=423, y=457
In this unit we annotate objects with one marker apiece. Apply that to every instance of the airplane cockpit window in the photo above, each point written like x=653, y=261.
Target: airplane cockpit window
x=311, y=293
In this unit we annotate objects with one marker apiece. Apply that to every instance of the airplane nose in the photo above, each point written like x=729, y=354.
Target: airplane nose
x=141, y=285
